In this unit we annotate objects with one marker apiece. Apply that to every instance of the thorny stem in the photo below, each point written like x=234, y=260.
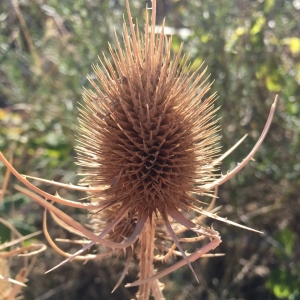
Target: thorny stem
x=5, y=182
x=146, y=258
x=157, y=288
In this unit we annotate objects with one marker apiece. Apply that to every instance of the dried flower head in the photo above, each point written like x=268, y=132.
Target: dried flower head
x=146, y=133
x=147, y=144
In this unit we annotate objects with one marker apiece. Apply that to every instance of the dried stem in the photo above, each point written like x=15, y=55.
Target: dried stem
x=146, y=257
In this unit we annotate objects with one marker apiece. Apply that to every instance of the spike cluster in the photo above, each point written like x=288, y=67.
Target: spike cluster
x=146, y=133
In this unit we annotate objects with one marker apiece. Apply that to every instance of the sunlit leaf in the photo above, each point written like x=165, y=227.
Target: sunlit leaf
x=205, y=38
x=293, y=43
x=282, y=283
x=272, y=84
x=240, y=31
x=259, y=23
x=268, y=5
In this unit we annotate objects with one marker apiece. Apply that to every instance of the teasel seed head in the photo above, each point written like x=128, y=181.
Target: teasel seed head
x=147, y=131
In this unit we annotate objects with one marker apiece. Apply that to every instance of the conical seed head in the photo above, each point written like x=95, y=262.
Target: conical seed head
x=147, y=133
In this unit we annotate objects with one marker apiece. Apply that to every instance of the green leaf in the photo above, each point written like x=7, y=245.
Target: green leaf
x=287, y=239
x=282, y=283
x=259, y=23
x=273, y=84
x=268, y=5
x=293, y=43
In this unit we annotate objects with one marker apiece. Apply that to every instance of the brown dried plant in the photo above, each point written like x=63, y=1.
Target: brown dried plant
x=148, y=143
x=10, y=288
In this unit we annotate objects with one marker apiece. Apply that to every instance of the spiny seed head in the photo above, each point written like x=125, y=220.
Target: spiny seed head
x=147, y=132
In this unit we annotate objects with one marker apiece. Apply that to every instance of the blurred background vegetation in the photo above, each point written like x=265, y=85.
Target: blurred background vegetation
x=252, y=50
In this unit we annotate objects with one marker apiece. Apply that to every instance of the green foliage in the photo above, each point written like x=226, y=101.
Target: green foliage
x=283, y=284
x=284, y=279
